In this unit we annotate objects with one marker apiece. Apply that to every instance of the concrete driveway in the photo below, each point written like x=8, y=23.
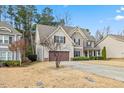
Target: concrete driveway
x=102, y=70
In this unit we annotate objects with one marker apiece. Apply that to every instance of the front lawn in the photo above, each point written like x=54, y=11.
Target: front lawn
x=44, y=74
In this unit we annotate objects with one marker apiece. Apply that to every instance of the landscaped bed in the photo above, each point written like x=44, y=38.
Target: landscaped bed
x=44, y=74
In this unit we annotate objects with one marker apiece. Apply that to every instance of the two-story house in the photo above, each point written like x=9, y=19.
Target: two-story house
x=75, y=41
x=8, y=35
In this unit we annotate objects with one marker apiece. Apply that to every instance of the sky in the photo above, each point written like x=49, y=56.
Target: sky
x=92, y=17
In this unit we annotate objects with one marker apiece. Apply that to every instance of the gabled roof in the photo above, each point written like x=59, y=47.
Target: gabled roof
x=116, y=37
x=45, y=31
x=8, y=29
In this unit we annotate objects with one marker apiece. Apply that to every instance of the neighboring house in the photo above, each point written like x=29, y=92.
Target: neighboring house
x=75, y=41
x=114, y=46
x=8, y=35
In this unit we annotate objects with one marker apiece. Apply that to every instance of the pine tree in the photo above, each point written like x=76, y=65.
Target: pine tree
x=104, y=53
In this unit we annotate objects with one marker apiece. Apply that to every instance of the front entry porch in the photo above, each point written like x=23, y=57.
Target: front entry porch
x=88, y=52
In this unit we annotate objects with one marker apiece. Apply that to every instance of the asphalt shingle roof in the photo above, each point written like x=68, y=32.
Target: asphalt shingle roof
x=45, y=31
x=13, y=31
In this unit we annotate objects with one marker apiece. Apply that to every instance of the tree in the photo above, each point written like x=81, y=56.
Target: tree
x=20, y=46
x=104, y=53
x=52, y=46
x=11, y=13
x=103, y=33
x=47, y=17
x=1, y=11
x=63, y=20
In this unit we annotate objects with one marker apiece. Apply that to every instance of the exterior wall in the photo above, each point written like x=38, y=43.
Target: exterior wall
x=114, y=48
x=77, y=35
x=67, y=46
x=4, y=48
x=39, y=48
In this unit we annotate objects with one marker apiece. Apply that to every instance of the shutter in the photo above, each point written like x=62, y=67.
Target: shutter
x=74, y=39
x=54, y=39
x=64, y=39
x=79, y=41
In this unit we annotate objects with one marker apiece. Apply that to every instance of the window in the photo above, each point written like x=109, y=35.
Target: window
x=5, y=55
x=9, y=55
x=76, y=53
x=6, y=39
x=1, y=39
x=59, y=39
x=2, y=55
x=88, y=43
x=98, y=52
x=77, y=41
x=10, y=39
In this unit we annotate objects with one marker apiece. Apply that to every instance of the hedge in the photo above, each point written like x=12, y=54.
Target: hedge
x=86, y=58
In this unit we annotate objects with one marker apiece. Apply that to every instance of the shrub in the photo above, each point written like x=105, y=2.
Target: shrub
x=12, y=63
x=80, y=58
x=104, y=53
x=32, y=57
x=93, y=58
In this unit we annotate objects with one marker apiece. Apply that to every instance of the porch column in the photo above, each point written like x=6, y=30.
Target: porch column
x=14, y=55
x=93, y=53
x=97, y=53
x=88, y=53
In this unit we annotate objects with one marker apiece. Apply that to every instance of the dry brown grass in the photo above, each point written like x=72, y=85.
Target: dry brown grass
x=63, y=77
x=112, y=62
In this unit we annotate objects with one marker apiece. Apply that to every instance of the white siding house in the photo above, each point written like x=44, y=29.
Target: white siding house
x=8, y=35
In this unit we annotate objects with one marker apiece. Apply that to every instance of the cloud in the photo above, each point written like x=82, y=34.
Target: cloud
x=118, y=11
x=122, y=8
x=119, y=18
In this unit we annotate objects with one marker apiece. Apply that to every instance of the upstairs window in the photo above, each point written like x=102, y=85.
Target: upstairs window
x=10, y=39
x=59, y=39
x=1, y=39
x=77, y=41
x=6, y=39
x=88, y=43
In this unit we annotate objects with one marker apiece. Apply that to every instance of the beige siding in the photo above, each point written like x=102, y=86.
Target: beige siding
x=68, y=46
x=39, y=48
x=115, y=48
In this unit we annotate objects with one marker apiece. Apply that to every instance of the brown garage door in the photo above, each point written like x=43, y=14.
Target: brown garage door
x=61, y=55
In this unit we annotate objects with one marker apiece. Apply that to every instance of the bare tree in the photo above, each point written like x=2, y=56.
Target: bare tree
x=64, y=19
x=103, y=33
x=52, y=46
x=20, y=46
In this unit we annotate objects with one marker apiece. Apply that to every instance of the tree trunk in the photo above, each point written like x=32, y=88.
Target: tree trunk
x=32, y=45
x=57, y=64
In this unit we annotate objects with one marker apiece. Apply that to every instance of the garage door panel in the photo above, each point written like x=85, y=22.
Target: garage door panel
x=61, y=55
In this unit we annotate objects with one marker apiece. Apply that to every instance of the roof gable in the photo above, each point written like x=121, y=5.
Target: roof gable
x=116, y=37
x=45, y=31
x=5, y=28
